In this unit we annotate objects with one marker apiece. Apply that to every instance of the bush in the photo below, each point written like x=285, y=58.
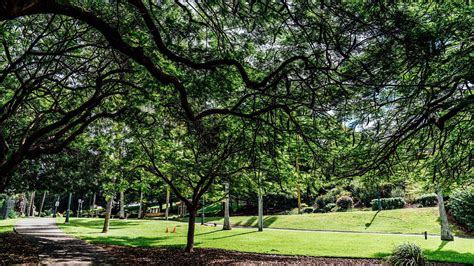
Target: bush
x=407, y=254
x=461, y=206
x=308, y=210
x=304, y=205
x=12, y=214
x=329, y=207
x=397, y=192
x=388, y=203
x=427, y=200
x=344, y=203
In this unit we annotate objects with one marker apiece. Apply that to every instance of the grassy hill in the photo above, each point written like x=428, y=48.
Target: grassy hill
x=152, y=233
x=390, y=221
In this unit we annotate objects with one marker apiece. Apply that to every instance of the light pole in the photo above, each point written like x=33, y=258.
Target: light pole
x=226, y=208
x=202, y=214
x=79, y=207
x=68, y=208
x=56, y=204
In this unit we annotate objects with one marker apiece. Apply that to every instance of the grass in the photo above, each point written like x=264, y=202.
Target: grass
x=408, y=220
x=152, y=233
x=6, y=225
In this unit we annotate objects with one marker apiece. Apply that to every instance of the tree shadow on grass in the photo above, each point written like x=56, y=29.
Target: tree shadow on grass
x=234, y=235
x=158, y=241
x=367, y=225
x=249, y=222
x=97, y=224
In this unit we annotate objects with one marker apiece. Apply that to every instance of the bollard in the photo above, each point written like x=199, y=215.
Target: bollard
x=426, y=235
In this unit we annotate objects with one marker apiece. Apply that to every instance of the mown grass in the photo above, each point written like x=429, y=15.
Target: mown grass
x=6, y=225
x=152, y=233
x=408, y=220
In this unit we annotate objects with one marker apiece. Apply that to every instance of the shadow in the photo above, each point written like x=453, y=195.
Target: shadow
x=249, y=222
x=269, y=220
x=367, y=225
x=234, y=235
x=442, y=245
x=98, y=223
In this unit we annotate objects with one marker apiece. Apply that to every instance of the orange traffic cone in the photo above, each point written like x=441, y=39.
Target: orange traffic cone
x=167, y=230
x=174, y=230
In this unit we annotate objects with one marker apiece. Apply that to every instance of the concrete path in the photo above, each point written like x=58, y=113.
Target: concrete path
x=58, y=248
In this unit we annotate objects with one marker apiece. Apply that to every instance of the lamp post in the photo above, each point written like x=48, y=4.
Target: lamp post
x=68, y=208
x=79, y=207
x=56, y=205
x=202, y=214
x=226, y=208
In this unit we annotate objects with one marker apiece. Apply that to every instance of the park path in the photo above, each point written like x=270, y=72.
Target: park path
x=55, y=247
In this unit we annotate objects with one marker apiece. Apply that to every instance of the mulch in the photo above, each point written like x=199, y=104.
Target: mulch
x=17, y=249
x=175, y=256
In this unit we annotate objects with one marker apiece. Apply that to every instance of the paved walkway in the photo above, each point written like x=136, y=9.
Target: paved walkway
x=58, y=248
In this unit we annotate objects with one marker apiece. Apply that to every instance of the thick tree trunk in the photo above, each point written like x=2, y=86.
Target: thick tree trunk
x=191, y=228
x=260, y=212
x=122, y=207
x=226, y=209
x=108, y=211
x=140, y=210
x=445, y=232
x=167, y=202
x=42, y=203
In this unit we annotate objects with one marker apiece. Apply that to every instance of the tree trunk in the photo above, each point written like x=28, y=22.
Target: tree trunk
x=122, y=207
x=167, y=202
x=92, y=207
x=108, y=211
x=226, y=209
x=260, y=212
x=191, y=228
x=140, y=214
x=445, y=232
x=31, y=209
x=42, y=203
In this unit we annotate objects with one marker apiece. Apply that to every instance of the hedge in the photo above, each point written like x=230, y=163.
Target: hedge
x=388, y=203
x=461, y=206
x=427, y=200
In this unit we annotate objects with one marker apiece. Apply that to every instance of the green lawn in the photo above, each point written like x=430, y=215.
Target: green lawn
x=389, y=221
x=152, y=233
x=7, y=225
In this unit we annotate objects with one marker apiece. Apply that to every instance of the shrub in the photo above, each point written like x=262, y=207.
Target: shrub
x=427, y=200
x=329, y=207
x=344, y=203
x=461, y=206
x=407, y=254
x=388, y=203
x=12, y=214
x=304, y=205
x=308, y=210
x=397, y=192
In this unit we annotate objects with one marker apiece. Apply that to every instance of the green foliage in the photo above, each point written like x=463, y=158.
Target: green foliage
x=344, y=203
x=308, y=210
x=330, y=197
x=397, y=192
x=330, y=207
x=427, y=200
x=388, y=203
x=461, y=206
x=12, y=214
x=407, y=254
